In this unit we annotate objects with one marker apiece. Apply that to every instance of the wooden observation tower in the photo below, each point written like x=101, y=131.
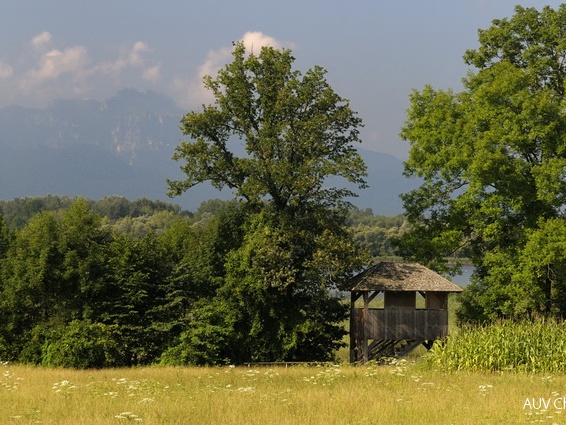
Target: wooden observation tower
x=399, y=326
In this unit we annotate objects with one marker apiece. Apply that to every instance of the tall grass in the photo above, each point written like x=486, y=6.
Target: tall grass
x=398, y=393
x=402, y=392
x=525, y=346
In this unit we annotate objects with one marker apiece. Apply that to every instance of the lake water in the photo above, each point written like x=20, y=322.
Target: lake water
x=464, y=278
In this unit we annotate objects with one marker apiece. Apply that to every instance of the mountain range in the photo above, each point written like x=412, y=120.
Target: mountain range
x=123, y=146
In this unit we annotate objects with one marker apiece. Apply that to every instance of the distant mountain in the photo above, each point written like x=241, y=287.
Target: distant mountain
x=123, y=146
x=386, y=184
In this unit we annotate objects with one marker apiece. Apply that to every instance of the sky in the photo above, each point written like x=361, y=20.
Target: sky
x=375, y=51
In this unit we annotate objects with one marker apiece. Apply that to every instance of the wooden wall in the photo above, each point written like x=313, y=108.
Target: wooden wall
x=400, y=323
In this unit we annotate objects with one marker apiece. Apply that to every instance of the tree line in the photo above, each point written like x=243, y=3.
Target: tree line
x=80, y=289
x=377, y=234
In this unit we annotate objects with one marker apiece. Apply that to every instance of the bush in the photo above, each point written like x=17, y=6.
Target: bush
x=206, y=341
x=81, y=345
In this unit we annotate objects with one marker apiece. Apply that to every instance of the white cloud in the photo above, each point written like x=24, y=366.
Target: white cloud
x=215, y=59
x=254, y=41
x=70, y=72
x=191, y=93
x=6, y=71
x=133, y=58
x=41, y=39
x=56, y=63
x=152, y=73
x=180, y=90
x=64, y=71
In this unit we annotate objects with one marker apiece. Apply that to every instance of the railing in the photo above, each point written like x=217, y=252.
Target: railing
x=400, y=323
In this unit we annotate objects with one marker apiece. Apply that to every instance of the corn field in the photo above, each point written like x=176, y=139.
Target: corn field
x=526, y=346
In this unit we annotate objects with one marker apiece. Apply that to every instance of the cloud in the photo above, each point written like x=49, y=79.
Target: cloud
x=254, y=41
x=56, y=63
x=152, y=73
x=135, y=58
x=47, y=73
x=6, y=71
x=195, y=90
x=41, y=39
x=192, y=93
x=132, y=58
x=215, y=59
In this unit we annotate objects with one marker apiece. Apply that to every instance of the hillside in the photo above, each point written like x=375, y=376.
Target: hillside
x=123, y=146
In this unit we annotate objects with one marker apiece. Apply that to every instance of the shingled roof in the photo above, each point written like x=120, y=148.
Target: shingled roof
x=396, y=276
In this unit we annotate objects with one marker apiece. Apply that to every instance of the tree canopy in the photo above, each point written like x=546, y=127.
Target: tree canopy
x=493, y=161
x=295, y=132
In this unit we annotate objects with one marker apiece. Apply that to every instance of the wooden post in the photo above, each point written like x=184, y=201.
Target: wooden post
x=363, y=330
x=353, y=328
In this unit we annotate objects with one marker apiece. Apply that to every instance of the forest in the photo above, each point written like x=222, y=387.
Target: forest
x=115, y=282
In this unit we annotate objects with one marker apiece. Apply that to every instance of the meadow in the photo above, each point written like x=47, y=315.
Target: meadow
x=402, y=392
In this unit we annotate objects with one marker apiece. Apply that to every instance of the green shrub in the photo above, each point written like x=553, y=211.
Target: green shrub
x=81, y=345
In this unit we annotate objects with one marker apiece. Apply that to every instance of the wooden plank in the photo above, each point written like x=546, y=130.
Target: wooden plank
x=407, y=348
x=399, y=299
x=373, y=295
x=363, y=332
x=353, y=328
x=384, y=327
x=436, y=300
x=380, y=348
x=359, y=334
x=403, y=323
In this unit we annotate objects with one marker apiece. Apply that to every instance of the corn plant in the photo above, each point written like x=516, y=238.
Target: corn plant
x=526, y=346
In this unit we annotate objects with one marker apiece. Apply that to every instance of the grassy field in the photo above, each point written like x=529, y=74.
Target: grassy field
x=403, y=392
x=399, y=393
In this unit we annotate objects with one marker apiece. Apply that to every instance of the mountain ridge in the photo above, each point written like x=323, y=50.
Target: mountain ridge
x=123, y=146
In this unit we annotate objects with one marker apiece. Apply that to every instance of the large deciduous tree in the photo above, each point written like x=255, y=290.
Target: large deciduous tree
x=274, y=137
x=295, y=132
x=493, y=162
